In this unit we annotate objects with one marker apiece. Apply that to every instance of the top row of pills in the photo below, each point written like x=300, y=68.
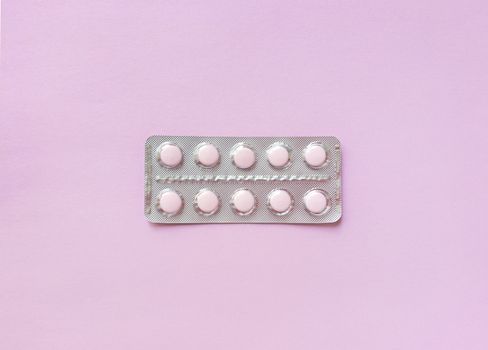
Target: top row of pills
x=243, y=155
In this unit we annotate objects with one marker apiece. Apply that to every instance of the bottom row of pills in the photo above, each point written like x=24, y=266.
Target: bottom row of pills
x=243, y=202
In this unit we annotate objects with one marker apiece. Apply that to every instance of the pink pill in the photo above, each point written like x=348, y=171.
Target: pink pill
x=316, y=201
x=243, y=157
x=278, y=155
x=280, y=201
x=315, y=155
x=243, y=202
x=170, y=202
x=207, y=155
x=207, y=202
x=170, y=155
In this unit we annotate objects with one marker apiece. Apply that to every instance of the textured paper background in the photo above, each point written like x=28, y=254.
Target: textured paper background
x=403, y=84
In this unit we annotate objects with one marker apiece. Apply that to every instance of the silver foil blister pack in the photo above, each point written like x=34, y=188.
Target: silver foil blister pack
x=197, y=180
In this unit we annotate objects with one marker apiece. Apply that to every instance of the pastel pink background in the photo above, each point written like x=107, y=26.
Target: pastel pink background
x=403, y=84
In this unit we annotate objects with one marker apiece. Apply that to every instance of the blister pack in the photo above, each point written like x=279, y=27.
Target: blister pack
x=196, y=180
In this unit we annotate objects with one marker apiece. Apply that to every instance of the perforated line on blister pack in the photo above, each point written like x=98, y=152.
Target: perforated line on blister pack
x=239, y=178
x=338, y=163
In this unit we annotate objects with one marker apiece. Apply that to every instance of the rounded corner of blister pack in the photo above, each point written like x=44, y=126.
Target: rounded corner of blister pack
x=149, y=138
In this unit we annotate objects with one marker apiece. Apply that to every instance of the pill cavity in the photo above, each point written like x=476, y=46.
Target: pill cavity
x=170, y=202
x=315, y=155
x=170, y=155
x=207, y=155
x=243, y=202
x=280, y=201
x=243, y=156
x=278, y=155
x=316, y=202
x=207, y=202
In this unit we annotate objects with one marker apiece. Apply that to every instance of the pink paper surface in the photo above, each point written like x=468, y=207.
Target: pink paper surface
x=403, y=84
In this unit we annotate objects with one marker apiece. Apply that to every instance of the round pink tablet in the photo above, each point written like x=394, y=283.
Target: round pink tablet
x=207, y=202
x=243, y=157
x=280, y=201
x=170, y=155
x=207, y=155
x=315, y=155
x=315, y=201
x=170, y=202
x=243, y=202
x=278, y=155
